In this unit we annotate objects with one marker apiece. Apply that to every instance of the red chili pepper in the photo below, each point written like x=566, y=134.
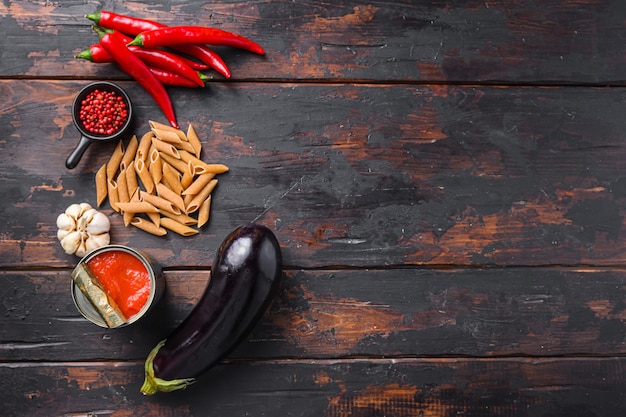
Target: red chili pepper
x=96, y=53
x=126, y=24
x=136, y=68
x=133, y=26
x=200, y=66
x=206, y=55
x=166, y=56
x=175, y=80
x=176, y=35
x=126, y=39
x=157, y=58
x=160, y=59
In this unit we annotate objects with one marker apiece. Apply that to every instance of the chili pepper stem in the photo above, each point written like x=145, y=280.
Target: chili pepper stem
x=138, y=41
x=95, y=17
x=204, y=78
x=86, y=54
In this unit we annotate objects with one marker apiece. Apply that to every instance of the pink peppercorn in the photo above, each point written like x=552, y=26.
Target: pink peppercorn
x=103, y=112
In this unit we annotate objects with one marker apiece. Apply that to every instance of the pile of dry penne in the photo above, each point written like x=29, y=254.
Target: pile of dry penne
x=158, y=182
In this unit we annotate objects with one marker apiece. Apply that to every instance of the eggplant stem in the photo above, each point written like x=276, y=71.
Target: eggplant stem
x=153, y=384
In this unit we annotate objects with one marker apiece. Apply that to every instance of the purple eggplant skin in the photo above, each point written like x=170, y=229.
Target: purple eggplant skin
x=244, y=277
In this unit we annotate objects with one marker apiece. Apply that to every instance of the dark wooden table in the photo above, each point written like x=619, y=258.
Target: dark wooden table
x=447, y=181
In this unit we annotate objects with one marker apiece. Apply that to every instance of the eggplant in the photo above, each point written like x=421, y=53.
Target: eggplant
x=244, y=277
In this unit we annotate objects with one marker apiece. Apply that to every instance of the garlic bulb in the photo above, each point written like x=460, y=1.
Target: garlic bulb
x=82, y=229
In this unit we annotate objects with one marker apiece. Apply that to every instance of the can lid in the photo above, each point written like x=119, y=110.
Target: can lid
x=85, y=307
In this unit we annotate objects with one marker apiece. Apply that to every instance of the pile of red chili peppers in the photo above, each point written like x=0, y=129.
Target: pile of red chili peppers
x=136, y=46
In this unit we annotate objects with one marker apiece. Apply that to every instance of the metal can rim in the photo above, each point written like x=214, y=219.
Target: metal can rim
x=84, y=306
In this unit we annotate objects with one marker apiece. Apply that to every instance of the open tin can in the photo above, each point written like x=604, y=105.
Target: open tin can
x=96, y=305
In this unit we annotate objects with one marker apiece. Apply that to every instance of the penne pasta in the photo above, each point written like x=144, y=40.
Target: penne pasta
x=197, y=200
x=198, y=184
x=204, y=211
x=135, y=207
x=159, y=202
x=112, y=192
x=171, y=196
x=126, y=217
x=131, y=179
x=177, y=227
x=178, y=164
x=187, y=177
x=156, y=166
x=168, y=136
x=127, y=214
x=185, y=146
x=180, y=218
x=201, y=166
x=101, y=185
x=155, y=217
x=135, y=197
x=122, y=187
x=216, y=168
x=161, y=127
x=113, y=165
x=130, y=152
x=190, y=158
x=194, y=141
x=156, y=182
x=144, y=145
x=171, y=178
x=144, y=175
x=166, y=148
x=147, y=226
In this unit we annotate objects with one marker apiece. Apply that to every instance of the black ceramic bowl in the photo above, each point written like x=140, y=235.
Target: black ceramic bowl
x=87, y=138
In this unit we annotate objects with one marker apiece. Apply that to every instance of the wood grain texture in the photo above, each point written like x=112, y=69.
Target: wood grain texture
x=500, y=41
x=446, y=180
x=347, y=313
x=393, y=175
x=434, y=388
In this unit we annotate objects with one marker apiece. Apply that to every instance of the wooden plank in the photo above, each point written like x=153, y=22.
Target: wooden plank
x=346, y=313
x=338, y=388
x=453, y=41
x=393, y=175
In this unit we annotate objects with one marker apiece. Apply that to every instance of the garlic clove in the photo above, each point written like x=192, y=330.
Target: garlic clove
x=62, y=233
x=82, y=223
x=76, y=210
x=96, y=241
x=71, y=242
x=82, y=249
x=66, y=222
x=84, y=207
x=99, y=224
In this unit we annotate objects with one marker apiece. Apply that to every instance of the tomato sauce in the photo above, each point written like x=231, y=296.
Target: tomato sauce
x=124, y=277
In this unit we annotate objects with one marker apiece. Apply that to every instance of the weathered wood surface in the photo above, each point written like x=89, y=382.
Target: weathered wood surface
x=353, y=175
x=445, y=179
x=347, y=313
x=560, y=387
x=497, y=41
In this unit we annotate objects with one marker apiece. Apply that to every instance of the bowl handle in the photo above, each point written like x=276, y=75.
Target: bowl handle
x=77, y=153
